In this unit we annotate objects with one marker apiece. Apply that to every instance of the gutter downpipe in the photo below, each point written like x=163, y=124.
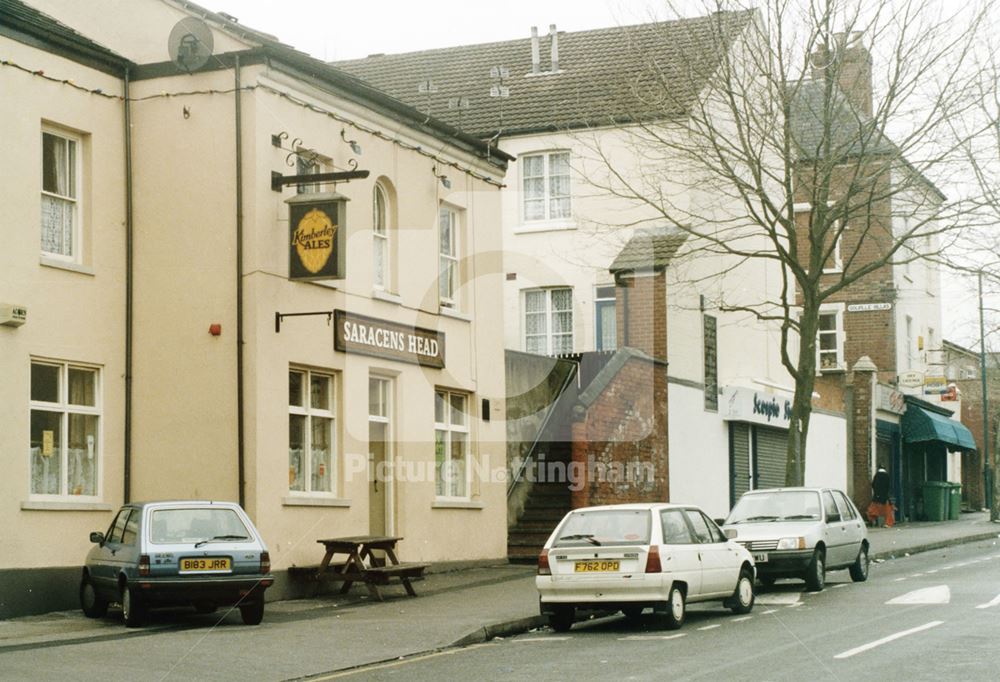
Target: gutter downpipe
x=240, y=463
x=129, y=265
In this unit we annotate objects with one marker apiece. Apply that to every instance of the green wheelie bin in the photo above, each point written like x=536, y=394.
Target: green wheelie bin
x=936, y=500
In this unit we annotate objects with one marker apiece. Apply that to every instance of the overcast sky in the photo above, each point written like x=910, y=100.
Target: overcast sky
x=339, y=29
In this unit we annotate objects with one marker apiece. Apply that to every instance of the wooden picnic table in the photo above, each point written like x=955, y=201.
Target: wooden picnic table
x=362, y=565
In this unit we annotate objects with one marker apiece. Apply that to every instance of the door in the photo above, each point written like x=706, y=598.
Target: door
x=739, y=460
x=379, y=455
x=680, y=554
x=837, y=544
x=108, y=557
x=854, y=531
x=770, y=457
x=718, y=559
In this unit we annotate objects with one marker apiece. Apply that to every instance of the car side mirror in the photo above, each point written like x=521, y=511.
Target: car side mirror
x=97, y=538
x=719, y=522
x=730, y=533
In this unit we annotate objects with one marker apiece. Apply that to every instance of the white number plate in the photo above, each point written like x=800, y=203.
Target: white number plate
x=760, y=557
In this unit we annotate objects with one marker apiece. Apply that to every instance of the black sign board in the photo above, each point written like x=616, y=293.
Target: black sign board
x=353, y=333
x=317, y=236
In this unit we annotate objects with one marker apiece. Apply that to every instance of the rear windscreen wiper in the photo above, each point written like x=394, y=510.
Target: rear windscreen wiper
x=580, y=536
x=221, y=537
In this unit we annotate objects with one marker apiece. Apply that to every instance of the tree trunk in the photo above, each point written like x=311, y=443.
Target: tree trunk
x=798, y=431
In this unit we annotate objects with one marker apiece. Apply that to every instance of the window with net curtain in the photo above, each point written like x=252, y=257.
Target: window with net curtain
x=448, y=228
x=60, y=196
x=451, y=444
x=65, y=419
x=548, y=321
x=546, y=186
x=311, y=431
x=380, y=238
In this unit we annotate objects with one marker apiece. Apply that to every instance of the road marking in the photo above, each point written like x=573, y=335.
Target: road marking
x=838, y=586
x=989, y=604
x=932, y=572
x=939, y=594
x=780, y=599
x=541, y=639
x=771, y=611
x=740, y=620
x=916, y=575
x=646, y=638
x=890, y=638
x=947, y=568
x=792, y=606
x=898, y=580
x=710, y=627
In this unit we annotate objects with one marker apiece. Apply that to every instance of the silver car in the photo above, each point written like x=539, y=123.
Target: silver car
x=800, y=533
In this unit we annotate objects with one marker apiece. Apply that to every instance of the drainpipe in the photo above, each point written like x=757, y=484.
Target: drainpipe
x=239, y=287
x=127, y=464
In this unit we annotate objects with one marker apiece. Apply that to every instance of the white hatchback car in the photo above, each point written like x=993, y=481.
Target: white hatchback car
x=629, y=557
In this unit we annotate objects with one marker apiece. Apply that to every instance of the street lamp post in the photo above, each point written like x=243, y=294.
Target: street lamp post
x=989, y=469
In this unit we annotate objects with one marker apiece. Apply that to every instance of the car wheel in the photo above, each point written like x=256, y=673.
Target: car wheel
x=742, y=600
x=816, y=573
x=632, y=612
x=252, y=613
x=92, y=604
x=562, y=619
x=859, y=569
x=676, y=609
x=133, y=610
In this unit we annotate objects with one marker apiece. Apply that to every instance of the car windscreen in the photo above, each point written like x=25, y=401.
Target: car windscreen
x=605, y=527
x=172, y=526
x=778, y=505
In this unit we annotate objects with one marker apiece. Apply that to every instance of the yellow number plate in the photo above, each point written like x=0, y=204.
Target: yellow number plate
x=206, y=564
x=596, y=566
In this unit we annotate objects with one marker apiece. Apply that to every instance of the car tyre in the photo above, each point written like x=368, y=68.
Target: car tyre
x=743, y=598
x=632, y=612
x=252, y=613
x=816, y=573
x=133, y=610
x=859, y=569
x=676, y=609
x=561, y=620
x=91, y=603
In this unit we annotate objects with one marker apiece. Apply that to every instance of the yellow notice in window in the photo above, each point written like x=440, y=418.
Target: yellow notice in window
x=47, y=440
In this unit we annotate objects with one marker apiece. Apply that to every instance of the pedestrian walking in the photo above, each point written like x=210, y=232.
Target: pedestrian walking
x=880, y=506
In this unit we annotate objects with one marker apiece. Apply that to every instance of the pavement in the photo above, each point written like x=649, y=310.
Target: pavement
x=453, y=608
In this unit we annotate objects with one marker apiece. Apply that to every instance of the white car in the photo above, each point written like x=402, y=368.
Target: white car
x=629, y=557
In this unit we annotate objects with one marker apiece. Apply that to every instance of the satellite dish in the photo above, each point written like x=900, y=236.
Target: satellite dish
x=190, y=44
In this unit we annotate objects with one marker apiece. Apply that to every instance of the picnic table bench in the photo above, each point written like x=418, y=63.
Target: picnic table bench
x=362, y=565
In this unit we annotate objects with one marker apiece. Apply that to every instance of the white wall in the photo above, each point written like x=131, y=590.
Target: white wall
x=699, y=452
x=826, y=454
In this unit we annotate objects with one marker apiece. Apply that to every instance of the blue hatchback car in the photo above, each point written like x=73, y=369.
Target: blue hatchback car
x=204, y=554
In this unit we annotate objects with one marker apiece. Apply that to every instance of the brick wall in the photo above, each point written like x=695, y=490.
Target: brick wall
x=641, y=309
x=862, y=423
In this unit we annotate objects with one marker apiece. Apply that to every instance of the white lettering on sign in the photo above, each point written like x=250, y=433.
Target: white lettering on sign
x=867, y=307
x=388, y=339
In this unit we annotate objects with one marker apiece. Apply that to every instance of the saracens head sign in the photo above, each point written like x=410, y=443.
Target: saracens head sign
x=317, y=236
x=353, y=333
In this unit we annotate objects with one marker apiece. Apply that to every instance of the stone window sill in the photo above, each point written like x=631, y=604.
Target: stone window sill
x=314, y=501
x=58, y=505
x=456, y=504
x=66, y=265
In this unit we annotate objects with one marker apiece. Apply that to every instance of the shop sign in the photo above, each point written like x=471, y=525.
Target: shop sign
x=747, y=405
x=353, y=333
x=911, y=379
x=317, y=236
x=935, y=385
x=889, y=399
x=867, y=307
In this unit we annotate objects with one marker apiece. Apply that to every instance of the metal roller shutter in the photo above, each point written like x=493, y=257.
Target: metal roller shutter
x=771, y=456
x=739, y=460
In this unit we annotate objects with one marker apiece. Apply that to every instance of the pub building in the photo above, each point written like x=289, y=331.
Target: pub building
x=286, y=297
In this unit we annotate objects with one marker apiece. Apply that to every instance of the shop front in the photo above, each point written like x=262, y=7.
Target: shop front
x=758, y=436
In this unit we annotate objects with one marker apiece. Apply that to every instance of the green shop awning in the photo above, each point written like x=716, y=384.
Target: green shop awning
x=922, y=425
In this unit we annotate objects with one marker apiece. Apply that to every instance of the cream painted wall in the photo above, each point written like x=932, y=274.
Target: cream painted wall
x=699, y=452
x=74, y=315
x=826, y=452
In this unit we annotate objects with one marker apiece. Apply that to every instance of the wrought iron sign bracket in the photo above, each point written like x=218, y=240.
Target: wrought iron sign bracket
x=278, y=180
x=278, y=317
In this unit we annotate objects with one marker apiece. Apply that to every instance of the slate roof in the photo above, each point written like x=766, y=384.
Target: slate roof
x=607, y=76
x=650, y=249
x=27, y=25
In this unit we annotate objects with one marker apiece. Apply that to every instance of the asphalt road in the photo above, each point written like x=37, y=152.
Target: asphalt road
x=933, y=616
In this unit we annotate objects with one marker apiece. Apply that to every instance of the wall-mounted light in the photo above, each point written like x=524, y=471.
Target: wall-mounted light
x=355, y=147
x=443, y=178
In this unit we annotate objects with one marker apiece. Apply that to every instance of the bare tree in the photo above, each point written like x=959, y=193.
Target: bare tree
x=820, y=144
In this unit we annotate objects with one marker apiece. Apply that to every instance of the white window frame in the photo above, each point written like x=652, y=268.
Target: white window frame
x=75, y=199
x=448, y=260
x=547, y=195
x=381, y=239
x=836, y=257
x=599, y=303
x=64, y=408
x=309, y=412
x=836, y=310
x=549, y=312
x=449, y=429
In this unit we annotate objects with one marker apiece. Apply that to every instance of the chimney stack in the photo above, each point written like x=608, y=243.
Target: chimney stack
x=536, y=66
x=850, y=64
x=554, y=35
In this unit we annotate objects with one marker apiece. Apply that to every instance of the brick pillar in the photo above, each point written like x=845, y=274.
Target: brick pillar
x=862, y=424
x=641, y=311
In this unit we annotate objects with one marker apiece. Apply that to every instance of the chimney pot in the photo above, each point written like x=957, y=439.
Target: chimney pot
x=554, y=34
x=536, y=60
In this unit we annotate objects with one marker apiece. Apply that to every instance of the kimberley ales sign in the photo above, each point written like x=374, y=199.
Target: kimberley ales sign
x=317, y=236
x=384, y=339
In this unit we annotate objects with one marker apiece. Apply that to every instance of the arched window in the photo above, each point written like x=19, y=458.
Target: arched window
x=381, y=252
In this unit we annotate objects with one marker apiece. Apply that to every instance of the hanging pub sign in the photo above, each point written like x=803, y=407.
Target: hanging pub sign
x=353, y=333
x=317, y=236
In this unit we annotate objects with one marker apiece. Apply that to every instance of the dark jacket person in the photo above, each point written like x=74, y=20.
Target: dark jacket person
x=880, y=486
